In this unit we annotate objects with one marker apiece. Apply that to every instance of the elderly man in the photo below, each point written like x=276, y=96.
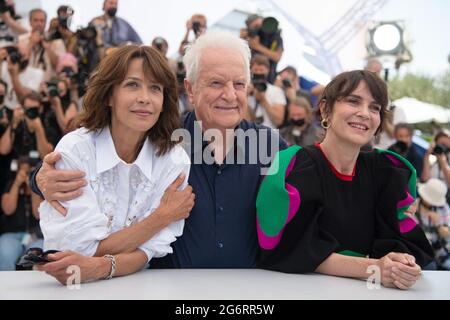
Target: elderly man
x=115, y=30
x=221, y=230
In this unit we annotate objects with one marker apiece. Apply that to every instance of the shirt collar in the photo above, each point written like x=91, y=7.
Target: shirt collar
x=107, y=157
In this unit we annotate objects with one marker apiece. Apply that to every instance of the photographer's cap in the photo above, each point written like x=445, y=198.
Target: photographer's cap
x=433, y=192
x=252, y=18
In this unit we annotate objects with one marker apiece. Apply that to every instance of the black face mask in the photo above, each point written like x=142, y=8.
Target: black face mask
x=298, y=122
x=2, y=98
x=23, y=64
x=32, y=113
x=112, y=12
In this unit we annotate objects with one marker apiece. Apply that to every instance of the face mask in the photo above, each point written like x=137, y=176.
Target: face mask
x=23, y=64
x=112, y=12
x=2, y=99
x=298, y=122
x=32, y=113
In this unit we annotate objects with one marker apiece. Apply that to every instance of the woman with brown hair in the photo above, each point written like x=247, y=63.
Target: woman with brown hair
x=334, y=209
x=130, y=210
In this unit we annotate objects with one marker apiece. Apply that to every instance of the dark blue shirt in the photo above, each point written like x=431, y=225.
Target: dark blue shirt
x=308, y=85
x=221, y=229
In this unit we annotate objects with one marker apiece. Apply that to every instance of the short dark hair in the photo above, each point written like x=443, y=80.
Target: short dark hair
x=347, y=82
x=403, y=125
x=290, y=69
x=441, y=134
x=111, y=72
x=260, y=60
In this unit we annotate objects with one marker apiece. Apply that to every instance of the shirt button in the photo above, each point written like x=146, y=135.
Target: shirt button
x=219, y=172
x=220, y=208
x=220, y=245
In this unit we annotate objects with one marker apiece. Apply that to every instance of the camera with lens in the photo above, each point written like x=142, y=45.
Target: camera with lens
x=259, y=82
x=287, y=83
x=400, y=148
x=86, y=34
x=440, y=149
x=14, y=54
x=159, y=42
x=52, y=88
x=196, y=27
x=268, y=28
x=253, y=32
x=32, y=113
x=181, y=73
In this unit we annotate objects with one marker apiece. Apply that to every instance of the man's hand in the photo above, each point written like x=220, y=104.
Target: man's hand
x=21, y=178
x=91, y=268
x=13, y=68
x=177, y=204
x=59, y=185
x=260, y=96
x=399, y=270
x=254, y=43
x=18, y=115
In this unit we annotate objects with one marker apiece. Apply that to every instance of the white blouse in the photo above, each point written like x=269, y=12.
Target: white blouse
x=117, y=195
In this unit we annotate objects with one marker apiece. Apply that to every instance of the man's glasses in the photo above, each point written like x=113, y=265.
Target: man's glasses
x=35, y=256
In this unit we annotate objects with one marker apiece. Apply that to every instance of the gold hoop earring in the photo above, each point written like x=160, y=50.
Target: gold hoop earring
x=325, y=124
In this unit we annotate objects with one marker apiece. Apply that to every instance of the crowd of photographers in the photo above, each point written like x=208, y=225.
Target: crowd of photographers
x=43, y=76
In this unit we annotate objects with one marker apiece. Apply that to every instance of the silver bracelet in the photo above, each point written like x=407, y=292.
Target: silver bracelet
x=113, y=266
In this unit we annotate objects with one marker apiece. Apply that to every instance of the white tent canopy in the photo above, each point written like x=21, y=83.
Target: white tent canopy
x=417, y=111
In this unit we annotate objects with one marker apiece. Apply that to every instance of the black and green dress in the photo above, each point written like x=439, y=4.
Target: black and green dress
x=307, y=210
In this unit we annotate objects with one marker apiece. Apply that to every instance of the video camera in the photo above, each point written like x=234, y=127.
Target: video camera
x=268, y=28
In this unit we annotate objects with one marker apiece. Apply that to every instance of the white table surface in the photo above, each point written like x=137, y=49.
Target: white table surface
x=217, y=284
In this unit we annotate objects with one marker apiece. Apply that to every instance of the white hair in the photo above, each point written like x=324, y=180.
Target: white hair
x=214, y=39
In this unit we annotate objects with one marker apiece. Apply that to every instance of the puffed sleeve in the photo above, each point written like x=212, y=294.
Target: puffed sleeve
x=289, y=207
x=85, y=225
x=397, y=231
x=176, y=162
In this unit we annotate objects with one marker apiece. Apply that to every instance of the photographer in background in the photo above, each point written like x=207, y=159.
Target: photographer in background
x=20, y=76
x=63, y=110
x=114, y=30
x=29, y=133
x=184, y=104
x=6, y=115
x=264, y=38
x=266, y=102
x=405, y=147
x=197, y=24
x=10, y=24
x=160, y=44
x=59, y=28
x=296, y=86
x=43, y=53
x=19, y=222
x=299, y=129
x=436, y=163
